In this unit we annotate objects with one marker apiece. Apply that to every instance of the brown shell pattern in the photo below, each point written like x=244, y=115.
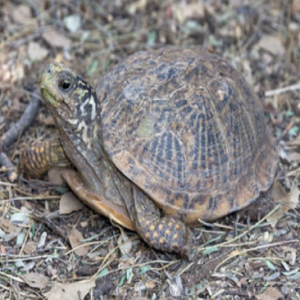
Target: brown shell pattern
x=187, y=128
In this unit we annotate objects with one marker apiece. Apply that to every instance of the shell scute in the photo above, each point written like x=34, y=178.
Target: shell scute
x=184, y=122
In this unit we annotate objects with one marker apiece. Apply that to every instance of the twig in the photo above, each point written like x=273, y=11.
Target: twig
x=26, y=120
x=246, y=295
x=214, y=224
x=16, y=131
x=239, y=253
x=47, y=222
x=245, y=232
x=282, y=90
x=255, y=33
x=286, y=130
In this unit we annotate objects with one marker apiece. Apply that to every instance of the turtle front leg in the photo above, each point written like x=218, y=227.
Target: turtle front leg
x=162, y=233
x=39, y=158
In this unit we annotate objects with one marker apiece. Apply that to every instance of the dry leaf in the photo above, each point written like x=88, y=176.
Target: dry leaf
x=175, y=286
x=55, y=174
x=124, y=243
x=3, y=250
x=69, y=203
x=150, y=284
x=30, y=247
x=272, y=44
x=270, y=293
x=36, y=51
x=137, y=5
x=56, y=39
x=296, y=6
x=287, y=200
x=290, y=254
x=42, y=241
x=8, y=237
x=236, y=3
x=72, y=22
x=6, y=225
x=66, y=291
x=186, y=11
x=18, y=72
x=36, y=280
x=291, y=156
x=21, y=217
x=75, y=239
x=22, y=14
x=294, y=142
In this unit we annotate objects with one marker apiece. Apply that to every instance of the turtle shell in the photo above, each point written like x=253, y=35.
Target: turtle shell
x=188, y=130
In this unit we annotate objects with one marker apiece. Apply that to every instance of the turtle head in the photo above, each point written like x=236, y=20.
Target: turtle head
x=67, y=95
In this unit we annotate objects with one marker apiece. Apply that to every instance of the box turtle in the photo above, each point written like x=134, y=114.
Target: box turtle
x=166, y=138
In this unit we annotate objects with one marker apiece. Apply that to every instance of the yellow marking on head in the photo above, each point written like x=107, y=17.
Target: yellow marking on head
x=160, y=227
x=152, y=227
x=175, y=236
x=168, y=232
x=177, y=227
x=42, y=149
x=147, y=235
x=163, y=221
x=155, y=234
x=170, y=224
x=147, y=222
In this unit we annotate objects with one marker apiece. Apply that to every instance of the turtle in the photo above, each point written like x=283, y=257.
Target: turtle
x=166, y=138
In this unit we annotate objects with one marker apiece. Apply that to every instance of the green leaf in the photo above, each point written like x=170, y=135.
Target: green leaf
x=151, y=38
x=295, y=277
x=129, y=275
x=270, y=265
x=294, y=131
x=210, y=250
x=92, y=68
x=144, y=269
x=289, y=113
x=103, y=273
x=214, y=42
x=291, y=272
x=122, y=279
x=33, y=229
x=61, y=190
x=106, y=64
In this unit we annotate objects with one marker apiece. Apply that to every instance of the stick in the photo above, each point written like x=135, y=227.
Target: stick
x=282, y=90
x=22, y=125
x=16, y=131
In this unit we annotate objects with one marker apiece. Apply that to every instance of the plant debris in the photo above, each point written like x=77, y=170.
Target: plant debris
x=53, y=248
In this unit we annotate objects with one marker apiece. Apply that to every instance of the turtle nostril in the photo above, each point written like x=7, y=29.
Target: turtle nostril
x=49, y=70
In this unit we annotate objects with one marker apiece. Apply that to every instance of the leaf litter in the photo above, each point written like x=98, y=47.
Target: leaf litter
x=234, y=260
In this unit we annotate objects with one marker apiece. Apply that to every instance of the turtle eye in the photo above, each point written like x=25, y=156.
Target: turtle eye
x=65, y=85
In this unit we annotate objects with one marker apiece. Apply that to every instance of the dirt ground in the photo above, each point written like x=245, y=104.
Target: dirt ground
x=51, y=247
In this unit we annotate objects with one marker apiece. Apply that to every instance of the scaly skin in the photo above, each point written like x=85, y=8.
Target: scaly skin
x=163, y=233
x=172, y=136
x=37, y=159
